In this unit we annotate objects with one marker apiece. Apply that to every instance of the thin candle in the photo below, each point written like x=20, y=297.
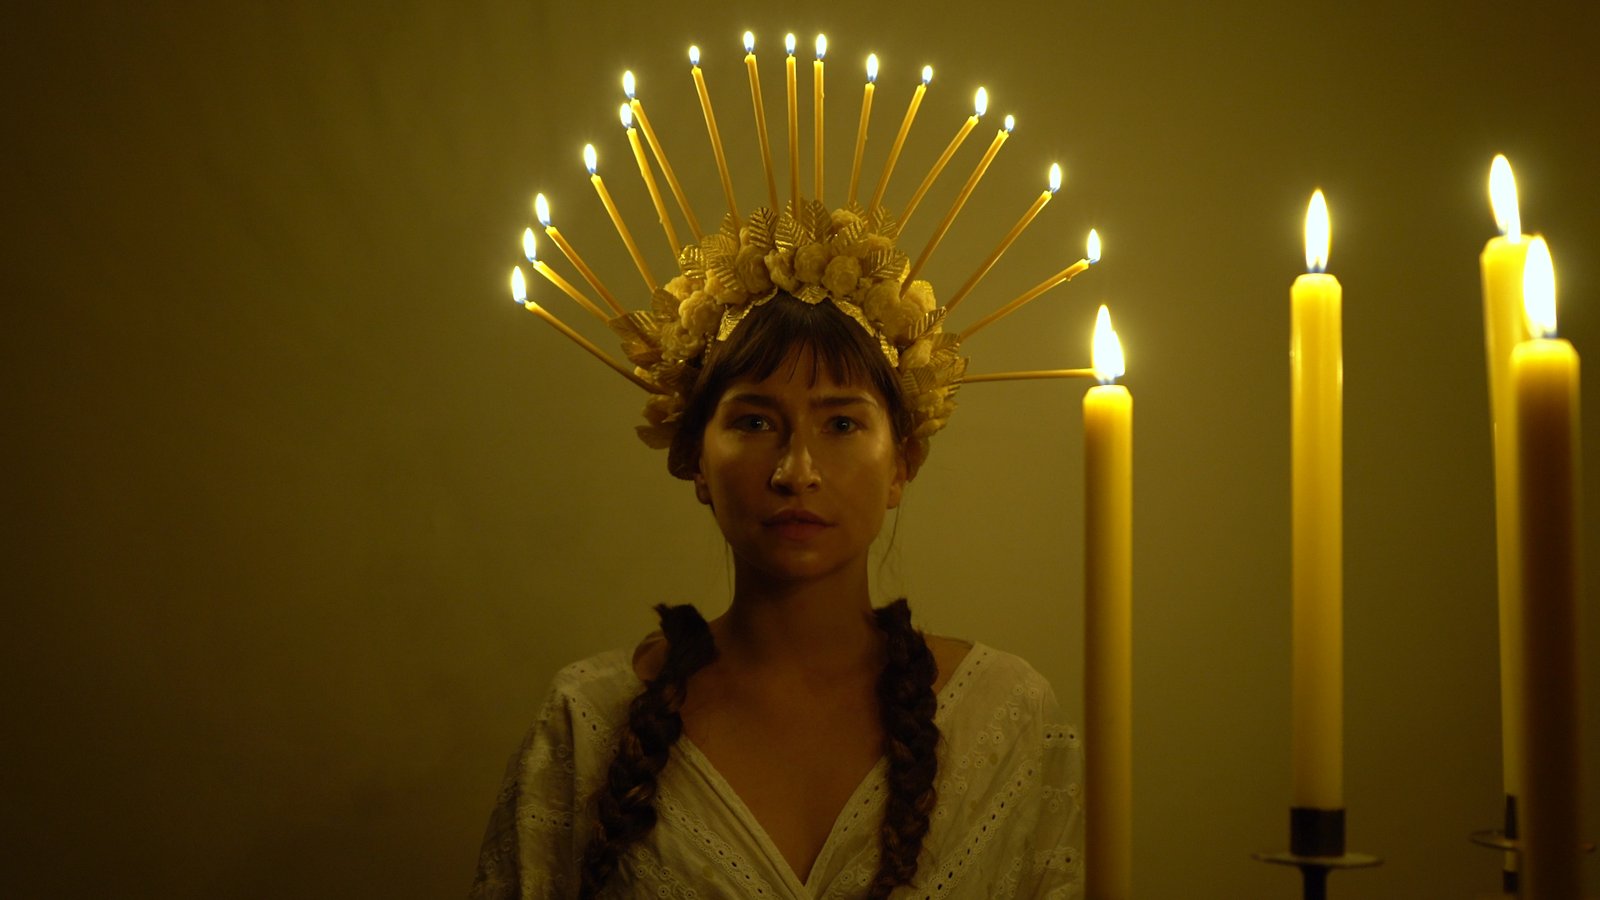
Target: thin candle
x=711, y=131
x=1501, y=265
x=1108, y=621
x=541, y=208
x=590, y=160
x=761, y=117
x=816, y=112
x=661, y=155
x=530, y=250
x=1029, y=375
x=625, y=112
x=861, y=129
x=1005, y=242
x=1065, y=275
x=1544, y=382
x=794, y=125
x=519, y=293
x=1316, y=392
x=961, y=198
x=980, y=105
x=900, y=138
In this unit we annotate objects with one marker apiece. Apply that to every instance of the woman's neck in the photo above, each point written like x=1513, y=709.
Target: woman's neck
x=816, y=630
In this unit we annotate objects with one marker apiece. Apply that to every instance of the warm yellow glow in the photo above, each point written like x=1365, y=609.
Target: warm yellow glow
x=927, y=74
x=749, y=42
x=1094, y=246
x=1539, y=290
x=541, y=209
x=589, y=158
x=694, y=55
x=1011, y=122
x=1108, y=364
x=980, y=102
x=519, y=287
x=788, y=43
x=1503, y=197
x=872, y=67
x=530, y=248
x=625, y=113
x=822, y=45
x=627, y=83
x=1317, y=233
x=1055, y=177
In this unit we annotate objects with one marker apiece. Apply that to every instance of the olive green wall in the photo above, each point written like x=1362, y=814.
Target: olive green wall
x=302, y=512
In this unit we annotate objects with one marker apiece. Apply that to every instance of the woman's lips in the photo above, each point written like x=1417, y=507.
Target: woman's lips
x=796, y=524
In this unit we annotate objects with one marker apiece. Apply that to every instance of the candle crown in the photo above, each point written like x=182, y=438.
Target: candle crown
x=847, y=258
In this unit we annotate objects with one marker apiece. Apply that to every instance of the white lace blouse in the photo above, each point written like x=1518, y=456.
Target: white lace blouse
x=1008, y=820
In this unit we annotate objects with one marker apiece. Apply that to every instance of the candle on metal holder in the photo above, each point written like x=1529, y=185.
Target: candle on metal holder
x=861, y=129
x=761, y=117
x=1065, y=275
x=625, y=112
x=711, y=131
x=980, y=105
x=591, y=161
x=660, y=154
x=530, y=250
x=541, y=209
x=960, y=201
x=900, y=138
x=1054, y=185
x=519, y=293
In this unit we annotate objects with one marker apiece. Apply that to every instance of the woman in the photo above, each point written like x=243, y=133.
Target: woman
x=803, y=744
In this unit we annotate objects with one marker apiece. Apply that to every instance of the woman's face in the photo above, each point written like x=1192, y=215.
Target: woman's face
x=800, y=470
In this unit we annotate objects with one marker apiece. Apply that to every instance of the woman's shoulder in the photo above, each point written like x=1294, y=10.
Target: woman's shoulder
x=598, y=679
x=986, y=676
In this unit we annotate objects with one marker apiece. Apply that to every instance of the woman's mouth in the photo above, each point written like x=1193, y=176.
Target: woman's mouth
x=796, y=524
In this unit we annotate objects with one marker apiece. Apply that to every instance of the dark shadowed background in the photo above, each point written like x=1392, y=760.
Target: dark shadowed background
x=302, y=512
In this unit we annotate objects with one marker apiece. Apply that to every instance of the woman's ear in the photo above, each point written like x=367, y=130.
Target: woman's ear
x=701, y=491
x=897, y=483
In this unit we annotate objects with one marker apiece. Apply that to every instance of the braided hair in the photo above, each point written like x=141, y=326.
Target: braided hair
x=626, y=804
x=906, y=702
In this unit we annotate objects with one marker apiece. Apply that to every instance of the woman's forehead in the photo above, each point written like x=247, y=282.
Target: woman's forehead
x=803, y=373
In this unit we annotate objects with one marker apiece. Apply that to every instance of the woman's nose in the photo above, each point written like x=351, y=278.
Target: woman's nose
x=796, y=471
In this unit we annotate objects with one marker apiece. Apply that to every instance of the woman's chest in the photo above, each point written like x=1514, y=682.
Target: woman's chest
x=793, y=769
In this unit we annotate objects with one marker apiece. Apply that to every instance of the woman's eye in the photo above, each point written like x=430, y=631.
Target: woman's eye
x=843, y=425
x=752, y=422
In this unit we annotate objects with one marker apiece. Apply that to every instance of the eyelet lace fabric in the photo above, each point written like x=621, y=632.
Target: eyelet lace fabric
x=1008, y=821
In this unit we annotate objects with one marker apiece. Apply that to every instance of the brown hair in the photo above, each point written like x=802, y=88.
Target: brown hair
x=762, y=342
x=625, y=805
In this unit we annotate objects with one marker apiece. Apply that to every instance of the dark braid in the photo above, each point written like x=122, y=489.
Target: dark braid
x=627, y=802
x=906, y=703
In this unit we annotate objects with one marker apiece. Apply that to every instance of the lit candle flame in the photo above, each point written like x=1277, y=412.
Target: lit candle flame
x=519, y=287
x=822, y=46
x=541, y=209
x=625, y=113
x=1539, y=290
x=1055, y=177
x=872, y=67
x=1107, y=355
x=530, y=249
x=1011, y=122
x=927, y=74
x=788, y=43
x=1503, y=197
x=694, y=55
x=749, y=42
x=980, y=101
x=627, y=83
x=589, y=157
x=1094, y=247
x=1317, y=233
